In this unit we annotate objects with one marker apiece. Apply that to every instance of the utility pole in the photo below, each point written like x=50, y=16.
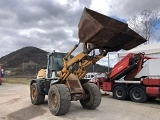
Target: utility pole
x=108, y=63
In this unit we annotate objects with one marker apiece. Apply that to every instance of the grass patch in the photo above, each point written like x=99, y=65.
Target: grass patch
x=16, y=80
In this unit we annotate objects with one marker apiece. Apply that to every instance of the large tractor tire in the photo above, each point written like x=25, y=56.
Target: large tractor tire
x=94, y=96
x=59, y=99
x=120, y=93
x=137, y=94
x=36, y=97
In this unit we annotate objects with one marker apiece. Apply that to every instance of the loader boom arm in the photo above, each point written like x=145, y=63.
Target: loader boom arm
x=82, y=60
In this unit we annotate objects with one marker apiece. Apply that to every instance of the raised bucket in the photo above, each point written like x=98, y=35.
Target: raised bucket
x=106, y=33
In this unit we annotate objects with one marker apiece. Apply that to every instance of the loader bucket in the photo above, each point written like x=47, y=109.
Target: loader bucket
x=106, y=33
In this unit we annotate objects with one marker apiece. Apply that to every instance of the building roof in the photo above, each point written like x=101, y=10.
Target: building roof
x=147, y=49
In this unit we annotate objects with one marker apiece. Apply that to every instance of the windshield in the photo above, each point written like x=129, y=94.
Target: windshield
x=57, y=61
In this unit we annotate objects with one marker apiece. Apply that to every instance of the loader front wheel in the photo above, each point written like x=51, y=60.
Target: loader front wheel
x=93, y=99
x=59, y=99
x=36, y=97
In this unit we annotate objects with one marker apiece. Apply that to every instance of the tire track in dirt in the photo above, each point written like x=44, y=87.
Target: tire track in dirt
x=14, y=100
x=26, y=113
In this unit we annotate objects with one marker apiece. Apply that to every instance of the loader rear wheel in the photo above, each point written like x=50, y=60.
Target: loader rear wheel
x=120, y=93
x=59, y=99
x=137, y=94
x=36, y=97
x=94, y=96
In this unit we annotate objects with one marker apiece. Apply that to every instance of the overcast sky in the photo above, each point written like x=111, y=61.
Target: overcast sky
x=53, y=24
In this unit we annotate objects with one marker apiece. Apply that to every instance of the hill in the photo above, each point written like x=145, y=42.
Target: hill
x=28, y=60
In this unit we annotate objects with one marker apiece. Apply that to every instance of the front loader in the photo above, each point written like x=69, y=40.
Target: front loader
x=63, y=78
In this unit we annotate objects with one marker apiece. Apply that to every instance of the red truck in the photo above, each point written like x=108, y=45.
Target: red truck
x=136, y=76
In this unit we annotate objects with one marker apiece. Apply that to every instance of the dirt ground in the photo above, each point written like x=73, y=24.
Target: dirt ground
x=15, y=105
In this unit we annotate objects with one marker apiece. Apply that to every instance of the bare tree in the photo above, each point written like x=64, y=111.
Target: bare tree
x=146, y=24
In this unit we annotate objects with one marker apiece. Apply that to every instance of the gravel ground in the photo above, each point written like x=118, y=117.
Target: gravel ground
x=15, y=105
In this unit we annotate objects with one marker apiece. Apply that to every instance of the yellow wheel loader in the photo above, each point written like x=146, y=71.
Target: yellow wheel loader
x=63, y=78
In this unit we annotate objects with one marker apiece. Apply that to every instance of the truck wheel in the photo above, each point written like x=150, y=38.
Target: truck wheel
x=36, y=97
x=59, y=99
x=94, y=96
x=137, y=94
x=120, y=93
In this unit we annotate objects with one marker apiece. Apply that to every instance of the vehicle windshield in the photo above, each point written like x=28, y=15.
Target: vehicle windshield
x=57, y=61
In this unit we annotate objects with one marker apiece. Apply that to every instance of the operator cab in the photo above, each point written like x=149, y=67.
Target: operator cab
x=55, y=64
